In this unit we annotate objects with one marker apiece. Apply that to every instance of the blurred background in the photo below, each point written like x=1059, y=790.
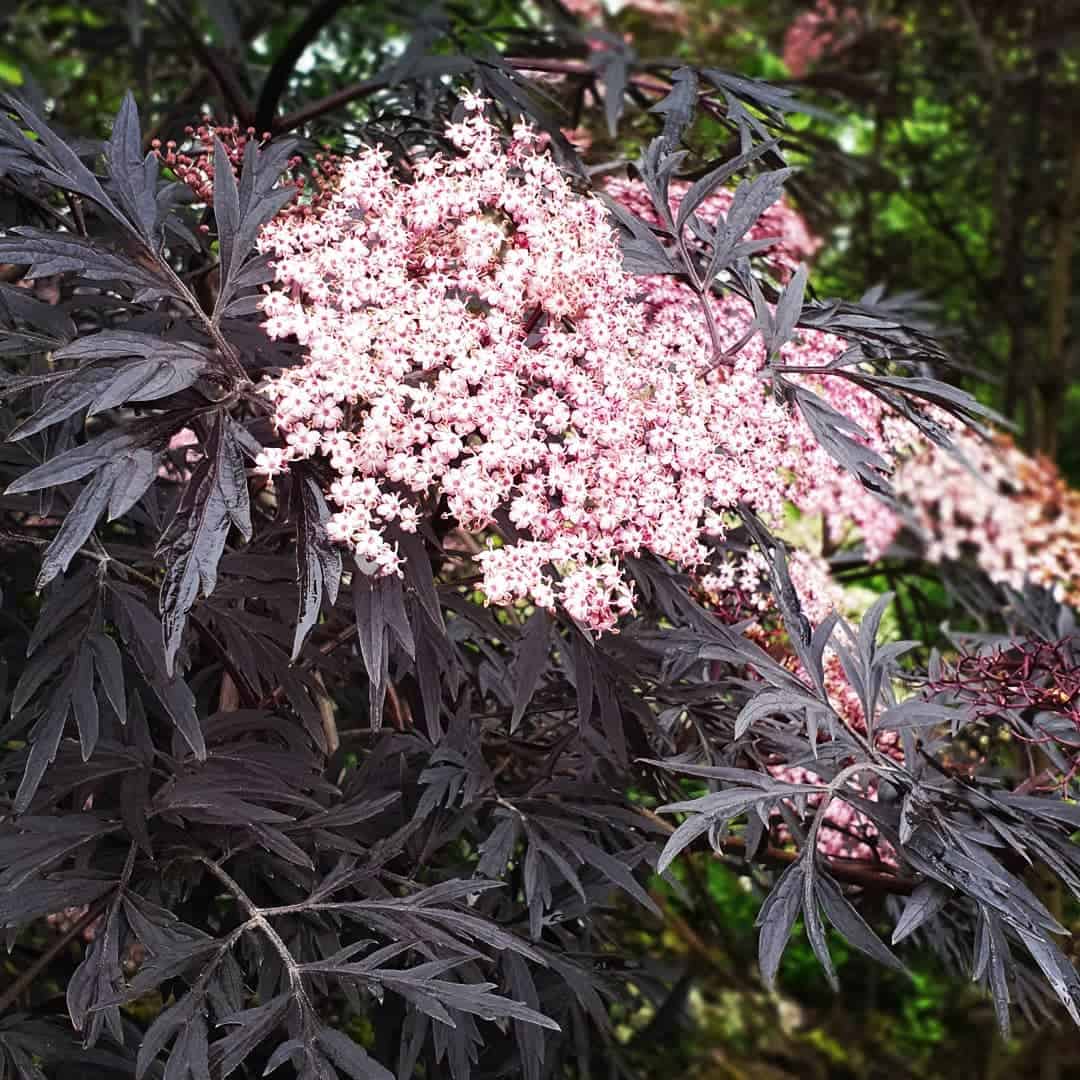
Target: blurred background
x=942, y=162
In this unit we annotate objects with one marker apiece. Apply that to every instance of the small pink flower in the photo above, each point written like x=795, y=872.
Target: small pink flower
x=271, y=462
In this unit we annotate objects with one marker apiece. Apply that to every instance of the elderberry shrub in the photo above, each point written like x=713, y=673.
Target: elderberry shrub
x=408, y=590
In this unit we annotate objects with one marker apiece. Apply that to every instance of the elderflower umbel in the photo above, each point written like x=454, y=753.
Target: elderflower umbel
x=473, y=336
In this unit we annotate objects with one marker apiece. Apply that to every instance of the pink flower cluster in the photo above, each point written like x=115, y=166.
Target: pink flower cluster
x=740, y=586
x=827, y=30
x=819, y=486
x=1013, y=514
x=817, y=33
x=473, y=336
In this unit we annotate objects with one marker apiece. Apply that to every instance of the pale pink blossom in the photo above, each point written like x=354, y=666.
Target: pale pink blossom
x=1010, y=513
x=474, y=335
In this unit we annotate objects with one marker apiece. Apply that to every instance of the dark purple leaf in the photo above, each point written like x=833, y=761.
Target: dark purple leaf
x=318, y=559
x=48, y=253
x=854, y=928
x=777, y=919
x=214, y=500
x=530, y=662
x=134, y=175
x=677, y=107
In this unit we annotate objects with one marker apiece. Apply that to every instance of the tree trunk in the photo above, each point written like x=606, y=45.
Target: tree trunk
x=1055, y=376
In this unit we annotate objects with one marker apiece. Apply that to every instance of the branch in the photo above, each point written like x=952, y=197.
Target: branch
x=277, y=78
x=241, y=685
x=380, y=82
x=650, y=83
x=983, y=46
x=299, y=117
x=219, y=67
x=257, y=920
x=850, y=871
x=325, y=649
x=93, y=912
x=39, y=204
x=1059, y=300
x=180, y=109
x=210, y=324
